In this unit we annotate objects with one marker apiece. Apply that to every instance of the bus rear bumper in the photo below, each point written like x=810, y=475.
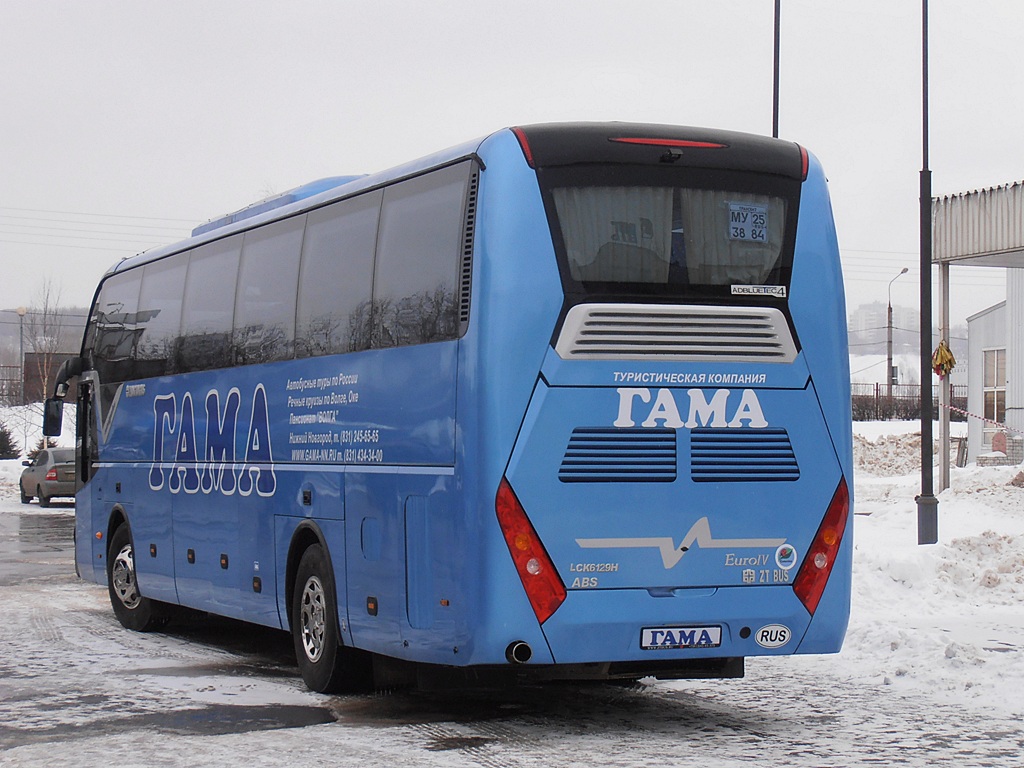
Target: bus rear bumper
x=594, y=626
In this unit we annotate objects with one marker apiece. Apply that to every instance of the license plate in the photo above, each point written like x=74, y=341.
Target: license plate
x=666, y=638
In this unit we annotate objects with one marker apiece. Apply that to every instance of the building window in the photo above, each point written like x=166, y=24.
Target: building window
x=995, y=392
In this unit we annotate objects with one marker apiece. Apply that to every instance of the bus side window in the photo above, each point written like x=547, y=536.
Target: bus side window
x=264, y=325
x=419, y=249
x=208, y=310
x=163, y=284
x=336, y=277
x=116, y=332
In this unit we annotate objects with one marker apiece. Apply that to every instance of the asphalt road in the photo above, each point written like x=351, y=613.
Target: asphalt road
x=77, y=688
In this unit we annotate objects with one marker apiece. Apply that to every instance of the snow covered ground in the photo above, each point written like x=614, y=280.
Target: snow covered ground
x=932, y=672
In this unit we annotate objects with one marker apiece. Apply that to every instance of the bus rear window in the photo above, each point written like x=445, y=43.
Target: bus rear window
x=673, y=239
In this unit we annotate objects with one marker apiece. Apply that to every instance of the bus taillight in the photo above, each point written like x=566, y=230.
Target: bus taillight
x=537, y=572
x=521, y=135
x=813, y=576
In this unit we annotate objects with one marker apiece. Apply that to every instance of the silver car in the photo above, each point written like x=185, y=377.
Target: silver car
x=52, y=473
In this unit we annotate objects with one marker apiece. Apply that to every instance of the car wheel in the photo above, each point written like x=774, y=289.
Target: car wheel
x=131, y=609
x=326, y=665
x=44, y=501
x=24, y=499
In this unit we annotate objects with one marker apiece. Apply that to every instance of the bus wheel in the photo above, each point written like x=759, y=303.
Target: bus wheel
x=132, y=609
x=326, y=665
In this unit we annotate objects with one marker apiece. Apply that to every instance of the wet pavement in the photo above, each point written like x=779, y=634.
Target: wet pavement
x=63, y=649
x=36, y=544
x=75, y=685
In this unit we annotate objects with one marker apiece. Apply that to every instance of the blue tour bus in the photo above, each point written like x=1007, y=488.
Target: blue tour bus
x=570, y=401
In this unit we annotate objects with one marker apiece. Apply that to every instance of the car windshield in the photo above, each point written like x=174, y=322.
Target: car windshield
x=63, y=454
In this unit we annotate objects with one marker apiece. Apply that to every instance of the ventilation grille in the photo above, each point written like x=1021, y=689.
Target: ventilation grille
x=607, y=455
x=742, y=455
x=466, y=270
x=663, y=332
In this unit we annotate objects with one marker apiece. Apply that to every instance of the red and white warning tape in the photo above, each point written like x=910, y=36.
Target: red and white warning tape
x=982, y=418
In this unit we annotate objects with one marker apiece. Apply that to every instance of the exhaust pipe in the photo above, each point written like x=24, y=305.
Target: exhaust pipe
x=518, y=652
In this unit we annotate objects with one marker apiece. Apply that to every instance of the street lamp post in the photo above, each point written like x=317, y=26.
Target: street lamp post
x=21, y=350
x=888, y=342
x=927, y=504
x=775, y=72
x=21, y=375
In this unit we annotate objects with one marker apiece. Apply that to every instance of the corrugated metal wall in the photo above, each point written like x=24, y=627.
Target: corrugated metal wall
x=987, y=221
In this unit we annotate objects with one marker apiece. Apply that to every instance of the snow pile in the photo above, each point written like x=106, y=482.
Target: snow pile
x=893, y=448
x=946, y=616
x=889, y=455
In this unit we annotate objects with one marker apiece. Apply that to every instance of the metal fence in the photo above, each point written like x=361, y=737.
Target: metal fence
x=872, y=402
x=10, y=385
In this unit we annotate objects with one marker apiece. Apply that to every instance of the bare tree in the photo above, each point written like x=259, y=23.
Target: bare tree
x=44, y=332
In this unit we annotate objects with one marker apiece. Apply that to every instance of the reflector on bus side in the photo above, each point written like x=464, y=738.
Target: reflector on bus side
x=813, y=576
x=540, y=579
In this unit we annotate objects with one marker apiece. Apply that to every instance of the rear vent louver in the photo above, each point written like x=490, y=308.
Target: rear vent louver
x=741, y=455
x=466, y=268
x=674, y=332
x=608, y=455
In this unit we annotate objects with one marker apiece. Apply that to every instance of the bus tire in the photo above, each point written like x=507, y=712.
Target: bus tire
x=134, y=611
x=326, y=665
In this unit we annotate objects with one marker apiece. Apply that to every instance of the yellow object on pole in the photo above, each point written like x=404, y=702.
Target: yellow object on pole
x=942, y=360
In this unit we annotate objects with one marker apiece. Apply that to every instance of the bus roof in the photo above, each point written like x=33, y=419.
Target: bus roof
x=545, y=145
x=306, y=197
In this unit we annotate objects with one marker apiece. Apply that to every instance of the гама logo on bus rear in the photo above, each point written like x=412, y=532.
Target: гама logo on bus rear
x=215, y=469
x=720, y=412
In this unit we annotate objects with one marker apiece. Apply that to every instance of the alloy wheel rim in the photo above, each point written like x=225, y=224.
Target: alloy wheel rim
x=122, y=577
x=312, y=618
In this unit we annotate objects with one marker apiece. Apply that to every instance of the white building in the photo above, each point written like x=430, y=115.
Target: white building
x=986, y=379
x=986, y=228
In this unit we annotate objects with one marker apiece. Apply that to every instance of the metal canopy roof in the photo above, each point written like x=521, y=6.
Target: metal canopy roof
x=983, y=228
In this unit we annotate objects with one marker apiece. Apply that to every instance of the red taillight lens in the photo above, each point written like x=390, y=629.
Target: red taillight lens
x=813, y=576
x=681, y=143
x=804, y=163
x=52, y=474
x=537, y=572
x=521, y=135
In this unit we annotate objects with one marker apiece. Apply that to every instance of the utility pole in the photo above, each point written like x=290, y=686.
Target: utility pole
x=775, y=79
x=927, y=504
x=888, y=343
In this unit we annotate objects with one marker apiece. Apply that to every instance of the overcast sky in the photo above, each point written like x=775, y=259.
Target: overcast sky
x=125, y=123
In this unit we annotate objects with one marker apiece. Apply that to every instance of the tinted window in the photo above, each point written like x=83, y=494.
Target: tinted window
x=626, y=231
x=63, y=455
x=337, y=277
x=116, y=327
x=637, y=234
x=209, y=306
x=163, y=285
x=264, y=325
x=418, y=258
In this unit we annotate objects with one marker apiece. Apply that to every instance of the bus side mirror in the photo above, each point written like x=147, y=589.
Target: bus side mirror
x=67, y=371
x=53, y=416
